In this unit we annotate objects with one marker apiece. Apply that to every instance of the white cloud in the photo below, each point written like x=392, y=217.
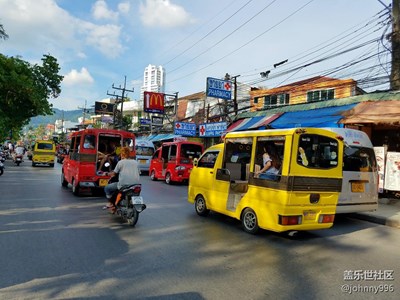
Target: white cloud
x=124, y=7
x=105, y=38
x=162, y=13
x=100, y=11
x=43, y=27
x=75, y=77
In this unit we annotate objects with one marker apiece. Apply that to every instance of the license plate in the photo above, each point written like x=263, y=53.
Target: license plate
x=309, y=214
x=103, y=182
x=137, y=200
x=142, y=161
x=357, y=187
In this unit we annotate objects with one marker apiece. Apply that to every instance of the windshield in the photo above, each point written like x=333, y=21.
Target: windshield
x=318, y=152
x=191, y=151
x=145, y=151
x=359, y=159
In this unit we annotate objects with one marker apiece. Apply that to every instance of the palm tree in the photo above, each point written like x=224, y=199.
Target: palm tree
x=3, y=34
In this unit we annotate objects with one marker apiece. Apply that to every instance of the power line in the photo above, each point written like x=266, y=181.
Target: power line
x=250, y=41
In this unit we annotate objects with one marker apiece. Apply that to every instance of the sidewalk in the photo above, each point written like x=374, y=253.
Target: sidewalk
x=388, y=213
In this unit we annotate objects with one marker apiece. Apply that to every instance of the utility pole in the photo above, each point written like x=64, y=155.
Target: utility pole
x=122, y=97
x=395, y=73
x=235, y=105
x=84, y=114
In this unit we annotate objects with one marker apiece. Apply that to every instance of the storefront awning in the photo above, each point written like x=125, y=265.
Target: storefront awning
x=163, y=137
x=252, y=123
x=379, y=112
x=322, y=117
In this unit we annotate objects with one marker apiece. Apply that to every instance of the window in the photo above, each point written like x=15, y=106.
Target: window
x=172, y=152
x=269, y=149
x=45, y=146
x=359, y=159
x=320, y=95
x=208, y=159
x=190, y=152
x=89, y=142
x=276, y=100
x=317, y=151
x=237, y=157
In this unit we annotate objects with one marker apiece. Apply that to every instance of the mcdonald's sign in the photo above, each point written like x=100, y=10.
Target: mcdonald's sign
x=153, y=102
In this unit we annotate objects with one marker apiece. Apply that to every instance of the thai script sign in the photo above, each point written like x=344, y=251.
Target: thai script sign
x=212, y=129
x=219, y=88
x=185, y=129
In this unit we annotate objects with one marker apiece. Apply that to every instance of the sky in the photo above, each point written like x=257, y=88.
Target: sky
x=100, y=43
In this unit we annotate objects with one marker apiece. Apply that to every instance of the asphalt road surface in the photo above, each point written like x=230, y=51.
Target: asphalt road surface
x=54, y=245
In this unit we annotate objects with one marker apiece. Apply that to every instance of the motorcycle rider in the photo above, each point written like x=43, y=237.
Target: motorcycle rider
x=18, y=151
x=128, y=174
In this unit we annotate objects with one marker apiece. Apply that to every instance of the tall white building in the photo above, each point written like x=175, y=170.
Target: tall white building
x=153, y=80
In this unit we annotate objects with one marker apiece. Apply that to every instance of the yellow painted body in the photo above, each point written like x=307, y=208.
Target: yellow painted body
x=231, y=197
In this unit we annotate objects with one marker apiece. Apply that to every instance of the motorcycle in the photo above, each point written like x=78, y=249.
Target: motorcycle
x=128, y=203
x=18, y=159
x=1, y=166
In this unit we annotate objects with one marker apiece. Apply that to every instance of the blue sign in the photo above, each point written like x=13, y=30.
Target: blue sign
x=145, y=121
x=185, y=129
x=212, y=129
x=219, y=88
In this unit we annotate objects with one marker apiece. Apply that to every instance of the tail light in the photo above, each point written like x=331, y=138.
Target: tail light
x=289, y=220
x=137, y=189
x=326, y=218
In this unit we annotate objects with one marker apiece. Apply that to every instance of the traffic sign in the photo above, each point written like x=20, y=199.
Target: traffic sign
x=219, y=88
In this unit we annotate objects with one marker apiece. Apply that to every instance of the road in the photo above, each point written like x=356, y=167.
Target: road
x=58, y=246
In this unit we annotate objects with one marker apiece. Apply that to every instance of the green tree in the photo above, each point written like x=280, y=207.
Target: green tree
x=25, y=90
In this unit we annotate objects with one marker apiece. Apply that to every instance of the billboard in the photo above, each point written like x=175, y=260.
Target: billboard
x=103, y=108
x=185, y=129
x=219, y=88
x=153, y=102
x=212, y=129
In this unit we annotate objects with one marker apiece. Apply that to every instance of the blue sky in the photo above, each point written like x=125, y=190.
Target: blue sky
x=98, y=43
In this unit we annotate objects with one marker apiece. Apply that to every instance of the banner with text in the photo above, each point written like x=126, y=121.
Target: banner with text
x=185, y=129
x=212, y=129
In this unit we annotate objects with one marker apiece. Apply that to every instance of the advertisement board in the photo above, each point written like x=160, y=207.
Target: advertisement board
x=219, y=88
x=392, y=171
x=212, y=129
x=153, y=102
x=185, y=129
x=103, y=108
x=380, y=160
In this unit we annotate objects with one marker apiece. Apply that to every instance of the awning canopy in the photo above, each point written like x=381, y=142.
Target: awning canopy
x=163, y=137
x=322, y=117
x=374, y=112
x=252, y=123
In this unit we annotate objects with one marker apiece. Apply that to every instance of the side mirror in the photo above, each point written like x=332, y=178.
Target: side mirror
x=195, y=162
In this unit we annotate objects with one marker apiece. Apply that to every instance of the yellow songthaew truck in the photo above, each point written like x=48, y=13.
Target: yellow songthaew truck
x=44, y=152
x=300, y=194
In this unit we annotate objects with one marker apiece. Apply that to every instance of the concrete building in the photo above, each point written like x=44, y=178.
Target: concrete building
x=153, y=80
